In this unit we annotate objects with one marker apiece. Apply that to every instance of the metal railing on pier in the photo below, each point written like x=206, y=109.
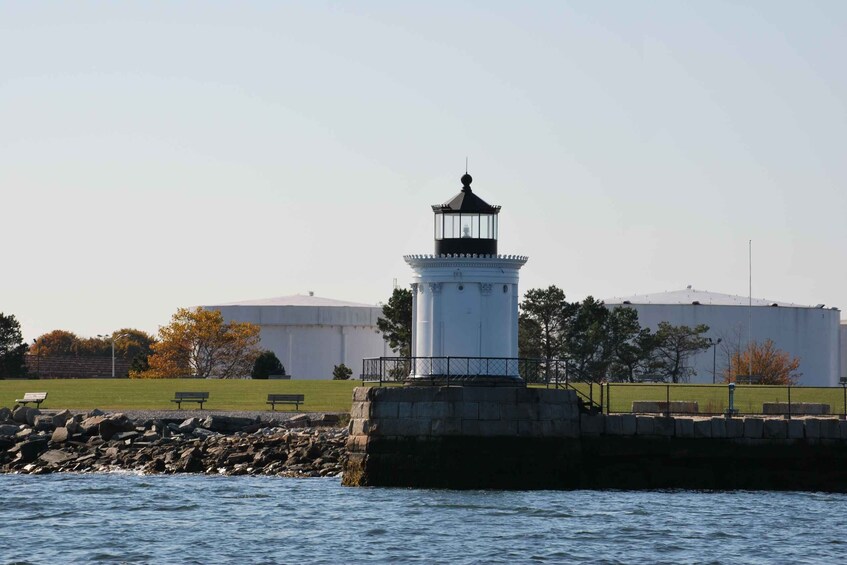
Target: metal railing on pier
x=554, y=373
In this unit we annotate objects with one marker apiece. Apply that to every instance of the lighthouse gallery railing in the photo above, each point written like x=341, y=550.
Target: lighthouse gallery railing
x=531, y=370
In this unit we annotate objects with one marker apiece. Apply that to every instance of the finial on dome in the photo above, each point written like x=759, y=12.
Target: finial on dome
x=466, y=181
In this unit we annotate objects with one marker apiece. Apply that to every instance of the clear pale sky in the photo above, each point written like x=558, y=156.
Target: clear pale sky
x=155, y=155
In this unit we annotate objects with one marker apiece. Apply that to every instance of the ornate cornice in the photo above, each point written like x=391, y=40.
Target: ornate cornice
x=462, y=260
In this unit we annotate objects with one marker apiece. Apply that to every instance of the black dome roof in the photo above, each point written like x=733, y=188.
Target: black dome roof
x=466, y=201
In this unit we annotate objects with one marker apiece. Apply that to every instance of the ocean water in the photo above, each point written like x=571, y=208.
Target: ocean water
x=127, y=518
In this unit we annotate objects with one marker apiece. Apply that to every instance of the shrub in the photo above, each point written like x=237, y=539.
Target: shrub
x=267, y=363
x=341, y=372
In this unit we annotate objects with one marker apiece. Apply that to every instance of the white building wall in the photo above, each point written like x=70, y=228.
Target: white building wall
x=812, y=334
x=311, y=340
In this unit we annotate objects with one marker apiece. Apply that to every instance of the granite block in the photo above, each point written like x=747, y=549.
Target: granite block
x=796, y=429
x=703, y=428
x=684, y=427
x=753, y=428
x=734, y=427
x=591, y=424
x=644, y=425
x=718, y=427
x=775, y=429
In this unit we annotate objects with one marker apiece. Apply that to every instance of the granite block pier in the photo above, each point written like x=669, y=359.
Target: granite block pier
x=534, y=438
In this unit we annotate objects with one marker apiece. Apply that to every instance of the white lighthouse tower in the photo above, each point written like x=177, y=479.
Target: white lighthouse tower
x=465, y=297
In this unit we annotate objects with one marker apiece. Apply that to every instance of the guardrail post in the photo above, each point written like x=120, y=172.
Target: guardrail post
x=608, y=398
x=731, y=410
x=601, y=396
x=667, y=401
x=789, y=402
x=844, y=386
x=591, y=393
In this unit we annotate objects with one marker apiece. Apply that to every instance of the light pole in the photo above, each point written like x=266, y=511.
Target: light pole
x=714, y=357
x=37, y=358
x=113, y=338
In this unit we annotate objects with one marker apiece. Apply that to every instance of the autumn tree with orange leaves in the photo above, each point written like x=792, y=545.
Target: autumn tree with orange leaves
x=199, y=343
x=774, y=366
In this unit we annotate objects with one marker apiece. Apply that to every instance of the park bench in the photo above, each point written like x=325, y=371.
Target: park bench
x=180, y=397
x=295, y=399
x=37, y=397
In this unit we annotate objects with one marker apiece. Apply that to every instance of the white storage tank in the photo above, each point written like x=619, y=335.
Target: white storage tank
x=310, y=334
x=808, y=332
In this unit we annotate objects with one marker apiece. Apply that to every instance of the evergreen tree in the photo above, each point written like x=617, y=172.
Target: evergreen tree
x=267, y=364
x=12, y=348
x=396, y=322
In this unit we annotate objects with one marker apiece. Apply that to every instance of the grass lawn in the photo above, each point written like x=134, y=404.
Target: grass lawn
x=714, y=398
x=336, y=396
x=156, y=394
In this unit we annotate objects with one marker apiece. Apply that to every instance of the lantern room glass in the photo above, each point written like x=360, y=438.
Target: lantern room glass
x=465, y=226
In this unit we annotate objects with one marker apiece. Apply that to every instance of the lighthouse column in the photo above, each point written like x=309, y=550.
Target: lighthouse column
x=437, y=322
x=414, y=343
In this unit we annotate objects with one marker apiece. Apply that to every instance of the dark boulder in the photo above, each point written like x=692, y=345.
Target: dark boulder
x=227, y=424
x=29, y=451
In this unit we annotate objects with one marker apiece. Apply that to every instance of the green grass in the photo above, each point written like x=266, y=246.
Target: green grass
x=714, y=398
x=336, y=396
x=156, y=394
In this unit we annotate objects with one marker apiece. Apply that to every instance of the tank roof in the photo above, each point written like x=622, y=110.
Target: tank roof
x=690, y=295
x=296, y=300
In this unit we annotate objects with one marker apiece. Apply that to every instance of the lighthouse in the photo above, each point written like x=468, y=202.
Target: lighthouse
x=465, y=297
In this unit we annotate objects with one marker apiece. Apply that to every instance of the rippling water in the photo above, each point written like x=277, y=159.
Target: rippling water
x=126, y=518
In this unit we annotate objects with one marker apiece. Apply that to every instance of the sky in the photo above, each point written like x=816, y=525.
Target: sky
x=158, y=155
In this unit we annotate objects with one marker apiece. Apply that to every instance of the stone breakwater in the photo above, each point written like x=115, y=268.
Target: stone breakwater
x=520, y=438
x=306, y=445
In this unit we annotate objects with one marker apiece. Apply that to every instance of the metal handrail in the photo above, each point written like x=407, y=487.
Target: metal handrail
x=446, y=369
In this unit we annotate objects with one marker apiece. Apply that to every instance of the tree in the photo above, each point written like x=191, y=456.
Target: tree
x=396, y=323
x=588, y=342
x=600, y=339
x=198, y=342
x=55, y=344
x=772, y=365
x=12, y=348
x=135, y=346
x=529, y=337
x=267, y=364
x=636, y=357
x=130, y=344
x=341, y=372
x=543, y=322
x=675, y=345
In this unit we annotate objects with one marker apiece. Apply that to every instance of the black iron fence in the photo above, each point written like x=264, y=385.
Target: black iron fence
x=457, y=370
x=723, y=399
x=532, y=370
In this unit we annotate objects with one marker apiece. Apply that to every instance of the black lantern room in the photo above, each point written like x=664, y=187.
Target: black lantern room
x=466, y=224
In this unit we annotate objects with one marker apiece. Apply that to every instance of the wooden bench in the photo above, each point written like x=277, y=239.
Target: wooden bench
x=37, y=397
x=295, y=399
x=180, y=397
